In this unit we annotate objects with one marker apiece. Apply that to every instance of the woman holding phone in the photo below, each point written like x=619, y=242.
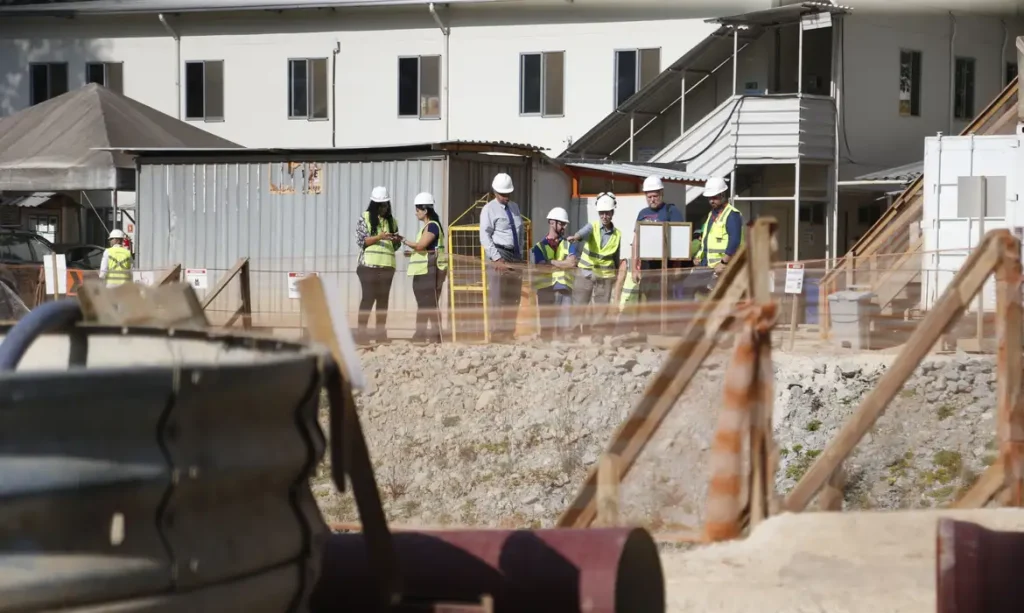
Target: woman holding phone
x=378, y=237
x=428, y=267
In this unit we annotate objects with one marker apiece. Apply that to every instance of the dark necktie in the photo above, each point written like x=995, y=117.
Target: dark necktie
x=515, y=235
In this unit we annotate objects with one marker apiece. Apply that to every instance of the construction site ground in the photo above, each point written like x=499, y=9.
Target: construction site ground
x=501, y=435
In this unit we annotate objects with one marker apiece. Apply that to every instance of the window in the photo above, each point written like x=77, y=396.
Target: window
x=633, y=70
x=542, y=84
x=307, y=89
x=44, y=225
x=419, y=87
x=47, y=81
x=107, y=74
x=204, y=90
x=910, y=83
x=963, y=96
x=1011, y=72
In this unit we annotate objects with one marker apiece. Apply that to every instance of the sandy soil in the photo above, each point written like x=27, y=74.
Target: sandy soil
x=851, y=562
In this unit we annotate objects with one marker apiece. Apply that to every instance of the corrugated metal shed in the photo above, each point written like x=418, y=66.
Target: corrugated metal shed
x=296, y=211
x=640, y=170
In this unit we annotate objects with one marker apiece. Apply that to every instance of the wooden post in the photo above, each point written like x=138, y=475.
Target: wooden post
x=1010, y=412
x=792, y=320
x=831, y=497
x=608, y=491
x=762, y=465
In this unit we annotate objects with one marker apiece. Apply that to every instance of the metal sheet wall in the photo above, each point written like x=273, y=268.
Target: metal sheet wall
x=285, y=216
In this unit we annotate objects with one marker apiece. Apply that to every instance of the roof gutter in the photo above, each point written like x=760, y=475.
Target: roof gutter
x=177, y=58
x=126, y=7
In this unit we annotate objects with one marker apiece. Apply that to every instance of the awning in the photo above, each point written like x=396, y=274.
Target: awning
x=26, y=200
x=899, y=176
x=781, y=15
x=638, y=170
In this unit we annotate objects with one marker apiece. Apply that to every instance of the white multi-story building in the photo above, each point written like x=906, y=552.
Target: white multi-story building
x=818, y=93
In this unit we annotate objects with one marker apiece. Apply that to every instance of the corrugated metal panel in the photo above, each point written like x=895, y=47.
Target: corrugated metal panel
x=286, y=217
x=154, y=480
x=470, y=178
x=639, y=170
x=904, y=174
x=27, y=201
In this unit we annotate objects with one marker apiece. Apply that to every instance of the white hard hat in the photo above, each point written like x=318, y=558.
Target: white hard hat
x=380, y=194
x=714, y=186
x=424, y=199
x=502, y=184
x=653, y=184
x=558, y=214
x=606, y=202
x=115, y=234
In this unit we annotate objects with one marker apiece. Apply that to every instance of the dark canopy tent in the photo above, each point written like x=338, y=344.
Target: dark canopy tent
x=55, y=145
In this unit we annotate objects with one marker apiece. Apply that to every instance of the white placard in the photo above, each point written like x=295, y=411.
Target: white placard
x=679, y=239
x=794, y=278
x=196, y=277
x=652, y=241
x=142, y=277
x=293, y=282
x=55, y=273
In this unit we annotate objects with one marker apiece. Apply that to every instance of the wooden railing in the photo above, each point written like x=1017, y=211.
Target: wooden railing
x=897, y=232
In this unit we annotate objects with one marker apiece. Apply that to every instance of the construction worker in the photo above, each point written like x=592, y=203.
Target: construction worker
x=554, y=285
x=722, y=233
x=659, y=211
x=116, y=264
x=502, y=239
x=598, y=252
x=377, y=237
x=428, y=267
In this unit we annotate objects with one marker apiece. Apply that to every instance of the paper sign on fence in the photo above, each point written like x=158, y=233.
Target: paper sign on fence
x=196, y=277
x=794, y=278
x=293, y=282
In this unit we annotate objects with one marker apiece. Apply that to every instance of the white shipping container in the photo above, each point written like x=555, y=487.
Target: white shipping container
x=951, y=225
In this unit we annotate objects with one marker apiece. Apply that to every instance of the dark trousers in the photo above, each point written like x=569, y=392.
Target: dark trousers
x=376, y=289
x=504, y=291
x=427, y=289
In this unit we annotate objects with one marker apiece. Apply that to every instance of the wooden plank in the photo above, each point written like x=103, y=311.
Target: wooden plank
x=679, y=368
x=608, y=491
x=1009, y=408
x=967, y=282
x=762, y=478
x=223, y=282
x=984, y=489
x=133, y=304
x=831, y=497
x=170, y=276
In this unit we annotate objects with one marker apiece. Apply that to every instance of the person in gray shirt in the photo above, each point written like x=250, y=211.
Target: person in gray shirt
x=501, y=235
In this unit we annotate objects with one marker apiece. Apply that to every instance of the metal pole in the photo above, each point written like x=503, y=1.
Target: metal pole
x=983, y=206
x=800, y=59
x=735, y=52
x=632, y=147
x=682, y=107
x=796, y=212
x=837, y=93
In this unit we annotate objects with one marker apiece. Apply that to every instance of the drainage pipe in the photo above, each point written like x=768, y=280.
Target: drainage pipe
x=447, y=31
x=603, y=570
x=177, y=57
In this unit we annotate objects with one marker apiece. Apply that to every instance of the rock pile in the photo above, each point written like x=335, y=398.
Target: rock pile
x=504, y=434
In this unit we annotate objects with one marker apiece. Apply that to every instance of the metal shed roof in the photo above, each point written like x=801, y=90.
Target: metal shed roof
x=451, y=146
x=640, y=170
x=706, y=56
x=898, y=175
x=72, y=142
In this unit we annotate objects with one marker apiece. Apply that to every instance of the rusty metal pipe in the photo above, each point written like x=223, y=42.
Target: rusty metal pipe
x=978, y=569
x=601, y=570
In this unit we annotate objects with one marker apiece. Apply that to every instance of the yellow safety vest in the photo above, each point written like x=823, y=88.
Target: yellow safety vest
x=542, y=280
x=716, y=238
x=597, y=258
x=382, y=253
x=630, y=290
x=419, y=261
x=119, y=266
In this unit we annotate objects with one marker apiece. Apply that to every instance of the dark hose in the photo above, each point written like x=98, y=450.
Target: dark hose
x=49, y=317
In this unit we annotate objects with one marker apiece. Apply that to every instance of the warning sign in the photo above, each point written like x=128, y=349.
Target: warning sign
x=196, y=277
x=794, y=278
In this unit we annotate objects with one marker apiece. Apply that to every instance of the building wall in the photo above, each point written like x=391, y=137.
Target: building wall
x=483, y=66
x=876, y=135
